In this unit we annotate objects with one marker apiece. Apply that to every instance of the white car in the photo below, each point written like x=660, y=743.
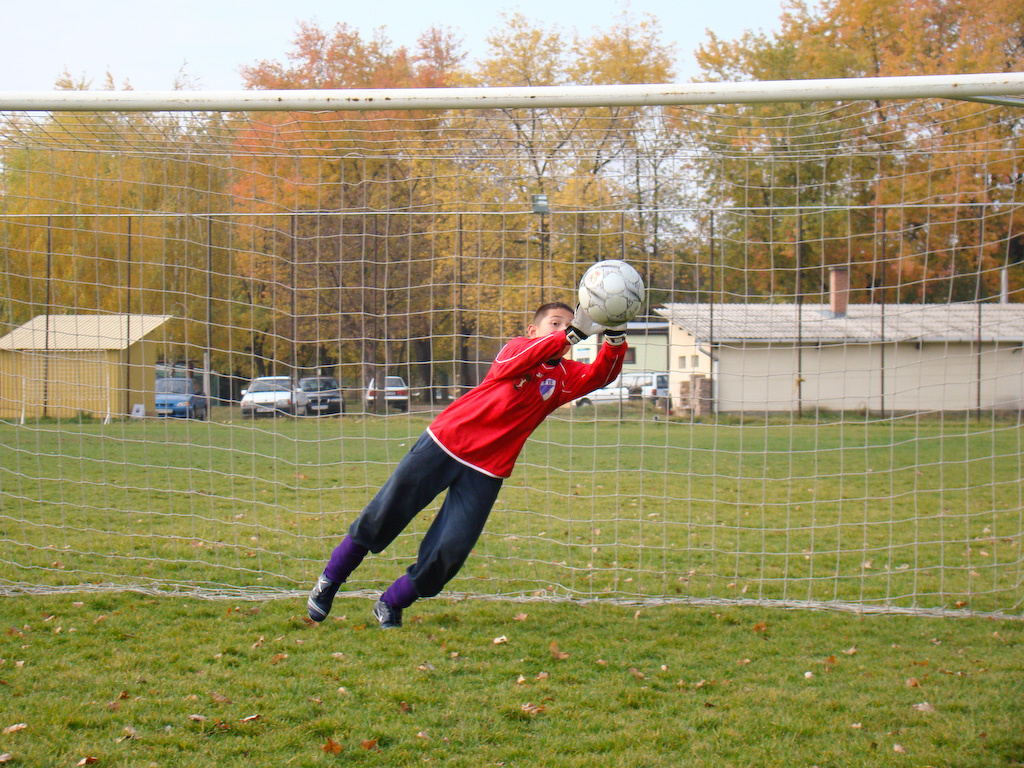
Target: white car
x=395, y=393
x=610, y=394
x=274, y=395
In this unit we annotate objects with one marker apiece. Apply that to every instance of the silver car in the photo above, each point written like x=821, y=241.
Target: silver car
x=274, y=395
x=395, y=393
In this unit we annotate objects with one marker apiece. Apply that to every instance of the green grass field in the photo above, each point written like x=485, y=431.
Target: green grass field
x=130, y=680
x=912, y=514
x=600, y=513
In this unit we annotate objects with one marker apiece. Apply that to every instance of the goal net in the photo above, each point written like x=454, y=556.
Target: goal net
x=821, y=406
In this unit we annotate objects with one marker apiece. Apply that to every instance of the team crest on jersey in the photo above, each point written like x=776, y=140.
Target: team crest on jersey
x=547, y=387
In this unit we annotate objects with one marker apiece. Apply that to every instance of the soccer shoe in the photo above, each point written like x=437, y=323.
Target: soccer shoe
x=389, y=618
x=319, y=603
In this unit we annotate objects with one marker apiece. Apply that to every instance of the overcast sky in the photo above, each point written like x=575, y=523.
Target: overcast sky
x=148, y=44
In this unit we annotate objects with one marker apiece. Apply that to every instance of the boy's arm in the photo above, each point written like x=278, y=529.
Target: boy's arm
x=584, y=378
x=523, y=354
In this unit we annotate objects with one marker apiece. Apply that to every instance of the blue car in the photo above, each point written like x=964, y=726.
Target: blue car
x=180, y=397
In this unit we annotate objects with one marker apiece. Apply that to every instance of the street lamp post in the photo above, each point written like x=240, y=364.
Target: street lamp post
x=540, y=207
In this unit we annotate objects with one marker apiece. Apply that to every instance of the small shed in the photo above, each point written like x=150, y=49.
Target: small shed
x=64, y=365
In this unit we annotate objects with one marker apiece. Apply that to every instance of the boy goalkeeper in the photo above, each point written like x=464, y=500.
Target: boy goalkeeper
x=469, y=449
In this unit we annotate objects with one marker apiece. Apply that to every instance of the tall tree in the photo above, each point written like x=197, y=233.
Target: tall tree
x=94, y=220
x=581, y=158
x=908, y=163
x=325, y=200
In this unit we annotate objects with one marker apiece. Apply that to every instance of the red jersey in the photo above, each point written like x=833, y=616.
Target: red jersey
x=487, y=427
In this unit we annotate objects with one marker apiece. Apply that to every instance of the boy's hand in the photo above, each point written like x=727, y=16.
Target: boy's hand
x=616, y=335
x=582, y=326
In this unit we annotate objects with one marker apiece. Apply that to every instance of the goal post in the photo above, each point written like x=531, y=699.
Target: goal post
x=825, y=394
x=991, y=87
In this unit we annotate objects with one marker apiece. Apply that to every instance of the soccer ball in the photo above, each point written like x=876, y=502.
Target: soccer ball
x=611, y=292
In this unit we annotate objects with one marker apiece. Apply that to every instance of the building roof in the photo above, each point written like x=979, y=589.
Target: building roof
x=864, y=323
x=646, y=326
x=82, y=332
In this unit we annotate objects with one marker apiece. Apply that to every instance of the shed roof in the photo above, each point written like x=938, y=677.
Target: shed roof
x=959, y=322
x=82, y=332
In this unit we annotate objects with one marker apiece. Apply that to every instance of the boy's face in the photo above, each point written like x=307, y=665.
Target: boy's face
x=554, y=320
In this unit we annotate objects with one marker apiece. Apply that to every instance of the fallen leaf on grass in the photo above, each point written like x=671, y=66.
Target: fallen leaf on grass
x=250, y=718
x=87, y=761
x=197, y=718
x=6, y=757
x=220, y=698
x=761, y=626
x=331, y=747
x=913, y=682
x=370, y=745
x=519, y=617
x=850, y=651
x=423, y=735
x=561, y=655
x=899, y=748
x=404, y=706
x=924, y=706
x=532, y=709
x=278, y=657
x=500, y=640
x=15, y=728
x=636, y=673
x=129, y=734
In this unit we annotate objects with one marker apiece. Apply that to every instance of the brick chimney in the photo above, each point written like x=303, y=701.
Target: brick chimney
x=839, y=290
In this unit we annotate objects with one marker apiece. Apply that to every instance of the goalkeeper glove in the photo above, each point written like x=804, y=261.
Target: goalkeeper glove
x=581, y=327
x=615, y=336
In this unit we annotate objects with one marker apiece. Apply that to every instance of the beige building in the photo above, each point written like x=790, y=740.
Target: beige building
x=648, y=347
x=861, y=357
x=60, y=366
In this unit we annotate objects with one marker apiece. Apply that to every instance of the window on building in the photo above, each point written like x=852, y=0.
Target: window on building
x=695, y=362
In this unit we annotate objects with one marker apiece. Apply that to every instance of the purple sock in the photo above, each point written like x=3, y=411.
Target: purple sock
x=401, y=594
x=345, y=558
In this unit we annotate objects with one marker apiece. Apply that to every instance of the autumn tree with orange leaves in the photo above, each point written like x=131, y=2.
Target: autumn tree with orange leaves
x=324, y=201
x=929, y=201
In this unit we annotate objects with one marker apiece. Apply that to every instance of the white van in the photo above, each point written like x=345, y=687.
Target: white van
x=646, y=385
